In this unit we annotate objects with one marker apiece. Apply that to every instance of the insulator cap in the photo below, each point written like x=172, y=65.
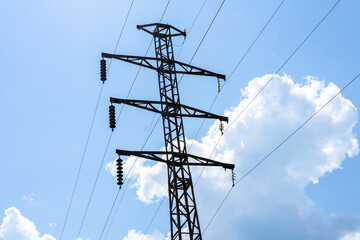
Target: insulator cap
x=103, y=70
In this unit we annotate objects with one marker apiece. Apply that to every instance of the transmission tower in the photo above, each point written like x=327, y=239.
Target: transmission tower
x=184, y=218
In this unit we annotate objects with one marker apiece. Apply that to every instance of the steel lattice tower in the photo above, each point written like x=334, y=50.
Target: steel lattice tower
x=181, y=192
x=184, y=219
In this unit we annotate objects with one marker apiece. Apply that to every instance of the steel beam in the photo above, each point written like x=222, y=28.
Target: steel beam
x=150, y=62
x=156, y=106
x=156, y=156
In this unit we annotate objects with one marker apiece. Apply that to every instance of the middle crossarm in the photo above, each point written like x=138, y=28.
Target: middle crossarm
x=150, y=62
x=155, y=106
x=154, y=155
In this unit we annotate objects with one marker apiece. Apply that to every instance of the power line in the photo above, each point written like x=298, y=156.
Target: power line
x=121, y=33
x=148, y=135
x=289, y=57
x=266, y=84
x=94, y=186
x=107, y=219
x=132, y=85
x=273, y=75
x=99, y=170
x=162, y=200
x=81, y=162
x=258, y=94
x=153, y=217
x=103, y=159
x=278, y=146
x=163, y=14
x=145, y=140
x=270, y=78
x=197, y=16
x=91, y=127
x=207, y=30
x=237, y=65
x=202, y=40
x=255, y=40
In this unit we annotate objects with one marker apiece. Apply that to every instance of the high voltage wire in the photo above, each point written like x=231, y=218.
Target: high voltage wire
x=107, y=219
x=255, y=40
x=197, y=16
x=276, y=148
x=100, y=167
x=268, y=81
x=202, y=40
x=327, y=14
x=121, y=33
x=266, y=84
x=103, y=159
x=163, y=14
x=158, y=118
x=150, y=124
x=109, y=140
x=81, y=162
x=91, y=127
x=249, y=50
x=148, y=135
x=94, y=186
x=153, y=217
x=237, y=65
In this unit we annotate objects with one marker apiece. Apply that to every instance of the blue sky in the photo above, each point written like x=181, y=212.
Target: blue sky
x=49, y=84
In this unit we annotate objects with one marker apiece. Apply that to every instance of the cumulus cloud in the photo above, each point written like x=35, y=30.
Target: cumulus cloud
x=150, y=180
x=156, y=235
x=17, y=227
x=272, y=198
x=351, y=236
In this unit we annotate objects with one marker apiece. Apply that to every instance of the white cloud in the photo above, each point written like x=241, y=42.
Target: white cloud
x=52, y=225
x=17, y=227
x=149, y=179
x=351, y=236
x=273, y=197
x=29, y=198
x=156, y=235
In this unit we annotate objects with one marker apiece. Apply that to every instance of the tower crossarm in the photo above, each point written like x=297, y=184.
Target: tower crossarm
x=161, y=28
x=156, y=156
x=155, y=106
x=150, y=62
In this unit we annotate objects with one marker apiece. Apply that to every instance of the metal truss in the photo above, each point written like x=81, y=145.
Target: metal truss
x=156, y=106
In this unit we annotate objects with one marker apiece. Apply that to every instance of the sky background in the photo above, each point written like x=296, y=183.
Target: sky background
x=49, y=85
